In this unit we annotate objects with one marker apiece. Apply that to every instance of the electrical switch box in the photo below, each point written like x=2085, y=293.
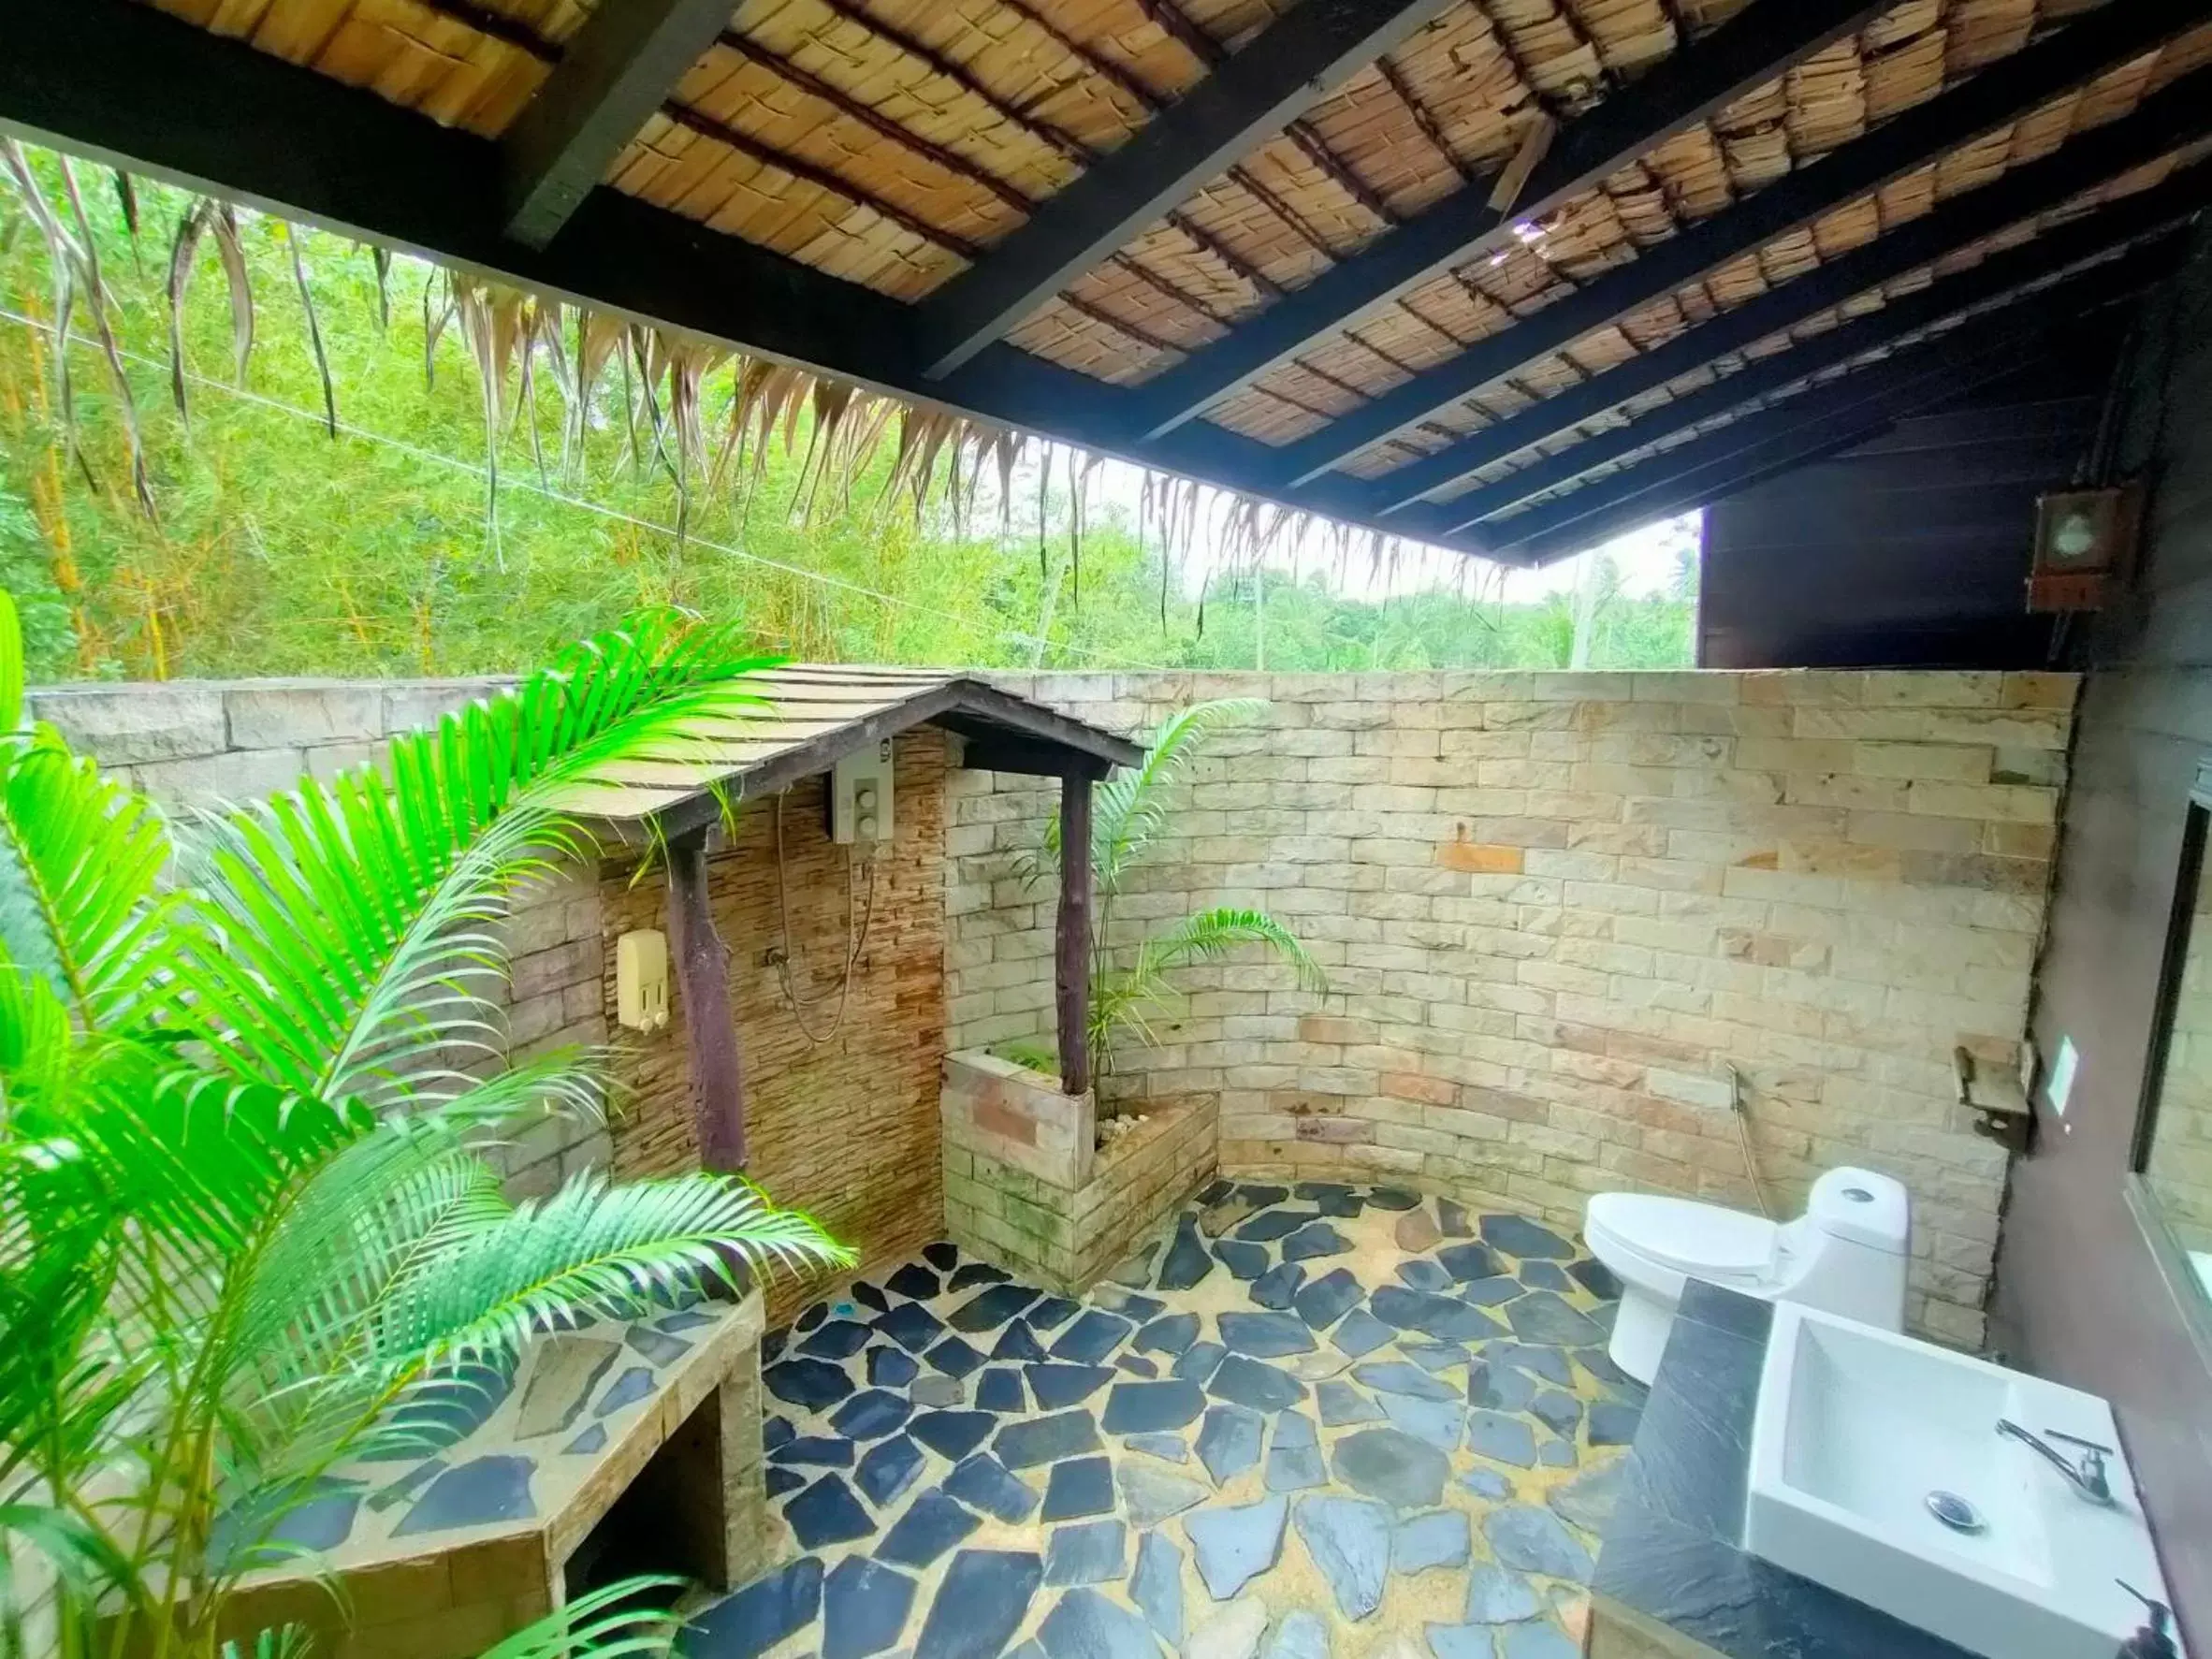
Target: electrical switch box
x=641, y=980
x=860, y=797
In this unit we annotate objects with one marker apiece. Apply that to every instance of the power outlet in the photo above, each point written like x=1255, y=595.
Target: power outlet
x=860, y=797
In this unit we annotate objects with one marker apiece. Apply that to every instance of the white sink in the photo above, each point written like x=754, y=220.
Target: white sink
x=1858, y=1427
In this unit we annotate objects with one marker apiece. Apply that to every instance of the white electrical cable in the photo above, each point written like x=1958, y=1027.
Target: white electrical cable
x=853, y=941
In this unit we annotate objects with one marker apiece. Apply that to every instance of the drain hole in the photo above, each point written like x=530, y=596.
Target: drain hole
x=1956, y=1512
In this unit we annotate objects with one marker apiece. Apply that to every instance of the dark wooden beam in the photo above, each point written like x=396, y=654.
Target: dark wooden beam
x=1027, y=757
x=1071, y=938
x=1917, y=377
x=615, y=71
x=1996, y=277
x=2174, y=116
x=703, y=984
x=1254, y=94
x=2006, y=90
x=1675, y=95
x=127, y=84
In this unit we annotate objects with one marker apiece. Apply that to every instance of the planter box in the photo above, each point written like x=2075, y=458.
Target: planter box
x=1026, y=1185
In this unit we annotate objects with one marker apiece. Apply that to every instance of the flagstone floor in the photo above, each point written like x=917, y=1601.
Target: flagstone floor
x=1307, y=1420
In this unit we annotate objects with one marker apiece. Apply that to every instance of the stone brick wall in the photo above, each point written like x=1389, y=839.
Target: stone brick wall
x=1557, y=909
x=846, y=1129
x=197, y=743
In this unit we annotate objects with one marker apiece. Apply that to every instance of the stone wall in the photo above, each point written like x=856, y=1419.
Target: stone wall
x=1557, y=909
x=846, y=1128
x=200, y=743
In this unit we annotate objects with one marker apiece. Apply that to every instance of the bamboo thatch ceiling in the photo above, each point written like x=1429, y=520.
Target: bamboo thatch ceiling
x=1464, y=270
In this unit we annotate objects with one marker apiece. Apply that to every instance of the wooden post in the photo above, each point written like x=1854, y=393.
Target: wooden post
x=703, y=972
x=1071, y=961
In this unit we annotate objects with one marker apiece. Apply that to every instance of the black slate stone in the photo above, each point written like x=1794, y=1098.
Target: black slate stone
x=869, y=1297
x=864, y=1608
x=1393, y=1197
x=1213, y=1192
x=1199, y=1362
x=827, y=1513
x=1130, y=1306
x=1556, y=1411
x=1057, y=1387
x=1596, y=1278
x=758, y=1616
x=890, y=1368
x=872, y=1414
x=911, y=1325
x=1490, y=1292
x=1504, y=1439
x=1172, y=1333
x=1613, y=1423
x=1244, y=1261
x=1264, y=1335
x=1361, y=1332
x=992, y=1308
x=977, y=1273
x=841, y=1339
x=777, y=1431
x=1451, y=1219
x=999, y=1389
x=888, y=1469
x=1469, y=1261
x=982, y=1482
x=914, y=1281
x=1600, y=1365
x=317, y=1514
x=1271, y=1225
x=1517, y=1235
x=1328, y=1299
x=1052, y=1312
x=1079, y=1487
x=1545, y=1275
x=636, y=1383
x=1421, y=1273
x=1229, y=1443
x=1543, y=1317
x=1261, y=1197
x=1499, y=1387
x=1546, y=1363
x=664, y=1350
x=1247, y=1382
x=819, y=1452
x=1278, y=1286
x=980, y=1605
x=1440, y=1316
x=772, y=1346
x=1393, y=1465
x=1089, y=1553
x=1150, y=1408
x=1046, y=1439
x=1316, y=1238
x=591, y=1440
x=810, y=1315
x=1136, y=1365
x=942, y=1256
x=1397, y=1377
x=931, y=1524
x=955, y=1357
x=951, y=1434
x=482, y=1489
x=778, y=1481
x=1092, y=1337
x=1017, y=1341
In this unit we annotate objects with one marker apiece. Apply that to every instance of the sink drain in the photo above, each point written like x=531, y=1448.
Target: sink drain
x=1956, y=1512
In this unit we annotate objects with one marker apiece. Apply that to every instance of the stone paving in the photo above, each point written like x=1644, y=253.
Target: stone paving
x=1304, y=1422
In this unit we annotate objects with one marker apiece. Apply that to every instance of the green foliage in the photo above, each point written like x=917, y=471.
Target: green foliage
x=246, y=1227
x=276, y=548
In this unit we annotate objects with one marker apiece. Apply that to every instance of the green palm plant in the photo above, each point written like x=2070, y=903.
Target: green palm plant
x=1131, y=987
x=247, y=1226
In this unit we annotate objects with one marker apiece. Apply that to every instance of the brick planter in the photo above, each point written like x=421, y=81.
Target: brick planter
x=1026, y=1185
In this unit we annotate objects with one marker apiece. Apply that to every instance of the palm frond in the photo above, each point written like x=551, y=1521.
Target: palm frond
x=606, y=1623
x=1121, y=998
x=1128, y=810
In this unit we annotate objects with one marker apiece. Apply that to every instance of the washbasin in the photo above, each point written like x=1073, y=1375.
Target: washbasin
x=1877, y=1469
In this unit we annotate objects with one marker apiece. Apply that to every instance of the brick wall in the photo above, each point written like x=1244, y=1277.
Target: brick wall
x=202, y=742
x=1557, y=908
x=847, y=1128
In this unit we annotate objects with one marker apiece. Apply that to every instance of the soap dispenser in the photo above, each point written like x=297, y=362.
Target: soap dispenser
x=2153, y=1640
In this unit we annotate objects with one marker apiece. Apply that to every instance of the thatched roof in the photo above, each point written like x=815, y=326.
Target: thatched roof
x=1339, y=254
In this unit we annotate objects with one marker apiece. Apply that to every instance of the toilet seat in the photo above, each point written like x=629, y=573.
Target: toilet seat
x=1680, y=1235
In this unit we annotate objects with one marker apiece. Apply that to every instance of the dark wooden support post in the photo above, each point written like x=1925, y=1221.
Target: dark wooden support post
x=1071, y=959
x=703, y=974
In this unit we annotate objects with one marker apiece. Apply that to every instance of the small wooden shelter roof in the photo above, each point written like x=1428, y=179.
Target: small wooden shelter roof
x=1486, y=273
x=813, y=715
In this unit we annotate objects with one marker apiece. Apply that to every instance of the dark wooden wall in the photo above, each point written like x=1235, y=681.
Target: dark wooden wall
x=2078, y=1296
x=1909, y=552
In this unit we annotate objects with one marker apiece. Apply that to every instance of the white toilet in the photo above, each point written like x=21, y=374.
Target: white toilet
x=1846, y=1254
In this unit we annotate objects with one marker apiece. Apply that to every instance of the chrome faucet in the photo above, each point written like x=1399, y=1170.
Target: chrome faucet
x=2086, y=1474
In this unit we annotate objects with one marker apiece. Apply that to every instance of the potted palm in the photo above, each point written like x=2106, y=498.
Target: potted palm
x=246, y=1223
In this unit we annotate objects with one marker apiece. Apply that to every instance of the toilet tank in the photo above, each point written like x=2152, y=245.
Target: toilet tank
x=1863, y=1208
